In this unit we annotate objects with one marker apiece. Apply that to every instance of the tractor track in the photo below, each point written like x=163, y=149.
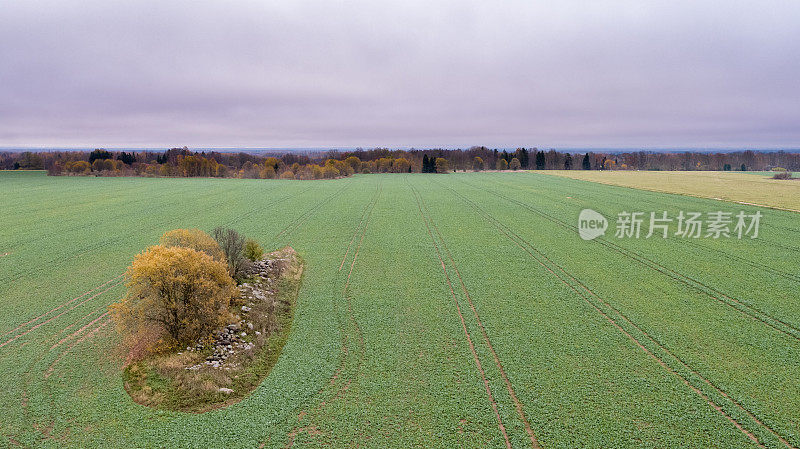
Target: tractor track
x=745, y=308
x=586, y=294
x=337, y=377
x=90, y=334
x=60, y=314
x=28, y=374
x=58, y=260
x=105, y=321
x=517, y=403
x=658, y=205
x=690, y=196
x=230, y=222
x=478, y=364
x=302, y=218
x=788, y=275
x=62, y=305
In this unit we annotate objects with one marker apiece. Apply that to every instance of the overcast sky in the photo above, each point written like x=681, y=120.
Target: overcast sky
x=407, y=73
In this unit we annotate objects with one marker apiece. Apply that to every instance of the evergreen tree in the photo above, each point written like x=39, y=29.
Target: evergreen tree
x=425, y=164
x=568, y=162
x=99, y=154
x=523, y=158
x=540, y=160
x=127, y=158
x=586, y=164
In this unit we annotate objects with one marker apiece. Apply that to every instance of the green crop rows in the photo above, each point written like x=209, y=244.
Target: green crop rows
x=457, y=310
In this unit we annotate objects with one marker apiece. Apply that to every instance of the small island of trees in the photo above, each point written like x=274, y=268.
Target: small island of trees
x=204, y=318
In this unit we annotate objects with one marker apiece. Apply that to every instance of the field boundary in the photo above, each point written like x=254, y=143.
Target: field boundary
x=745, y=203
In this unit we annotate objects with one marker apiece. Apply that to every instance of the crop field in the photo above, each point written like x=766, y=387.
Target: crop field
x=743, y=187
x=458, y=310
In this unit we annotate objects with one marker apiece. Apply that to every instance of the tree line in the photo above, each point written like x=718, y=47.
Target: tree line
x=182, y=162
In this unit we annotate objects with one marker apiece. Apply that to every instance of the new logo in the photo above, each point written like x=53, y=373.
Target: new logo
x=591, y=224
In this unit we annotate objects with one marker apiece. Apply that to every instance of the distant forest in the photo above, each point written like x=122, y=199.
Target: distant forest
x=182, y=162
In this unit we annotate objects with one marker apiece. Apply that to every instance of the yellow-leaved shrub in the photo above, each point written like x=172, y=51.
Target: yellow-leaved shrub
x=194, y=239
x=176, y=296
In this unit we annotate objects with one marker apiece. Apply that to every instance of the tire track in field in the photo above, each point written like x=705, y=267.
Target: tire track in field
x=92, y=297
x=43, y=354
x=28, y=374
x=38, y=325
x=82, y=328
x=367, y=209
x=58, y=260
x=586, y=294
x=238, y=218
x=100, y=244
x=260, y=209
x=517, y=403
x=90, y=334
x=785, y=274
x=62, y=305
x=478, y=364
x=302, y=218
x=761, y=266
x=689, y=195
x=337, y=375
x=104, y=319
x=745, y=308
x=97, y=327
x=128, y=211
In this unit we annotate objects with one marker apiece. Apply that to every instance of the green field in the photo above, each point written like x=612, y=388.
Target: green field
x=457, y=310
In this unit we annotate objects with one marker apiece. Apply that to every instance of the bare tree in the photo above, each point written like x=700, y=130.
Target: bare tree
x=232, y=244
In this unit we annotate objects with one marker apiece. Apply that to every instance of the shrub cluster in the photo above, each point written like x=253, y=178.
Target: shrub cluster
x=180, y=291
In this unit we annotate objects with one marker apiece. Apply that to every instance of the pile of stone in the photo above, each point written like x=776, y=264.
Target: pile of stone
x=231, y=340
x=261, y=268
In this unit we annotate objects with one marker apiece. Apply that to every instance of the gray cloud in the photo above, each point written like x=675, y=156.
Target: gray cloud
x=406, y=73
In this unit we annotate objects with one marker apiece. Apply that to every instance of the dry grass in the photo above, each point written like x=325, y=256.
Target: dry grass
x=727, y=186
